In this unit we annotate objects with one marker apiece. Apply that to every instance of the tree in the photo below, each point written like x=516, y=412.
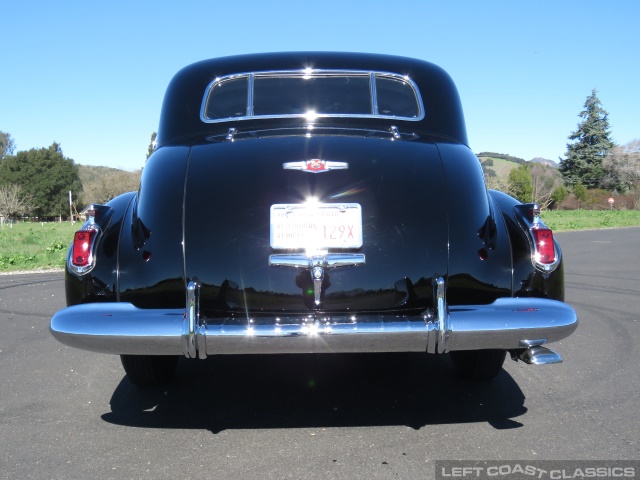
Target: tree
x=622, y=167
x=12, y=201
x=46, y=175
x=520, y=184
x=534, y=182
x=545, y=181
x=152, y=144
x=109, y=185
x=592, y=143
x=7, y=146
x=580, y=192
x=558, y=195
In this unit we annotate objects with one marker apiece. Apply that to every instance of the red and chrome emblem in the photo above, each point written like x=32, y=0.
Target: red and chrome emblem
x=315, y=165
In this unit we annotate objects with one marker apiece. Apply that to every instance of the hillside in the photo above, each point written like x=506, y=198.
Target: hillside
x=101, y=184
x=544, y=161
x=496, y=171
x=497, y=166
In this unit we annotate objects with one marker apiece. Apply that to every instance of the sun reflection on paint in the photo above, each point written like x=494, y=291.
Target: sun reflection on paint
x=347, y=193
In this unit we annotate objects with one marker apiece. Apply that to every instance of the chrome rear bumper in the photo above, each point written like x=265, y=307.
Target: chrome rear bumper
x=121, y=328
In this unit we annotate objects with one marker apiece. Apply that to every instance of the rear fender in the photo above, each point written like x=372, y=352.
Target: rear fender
x=528, y=280
x=151, y=249
x=479, y=247
x=100, y=283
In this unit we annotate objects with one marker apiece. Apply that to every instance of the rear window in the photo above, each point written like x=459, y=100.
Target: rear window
x=311, y=94
x=228, y=98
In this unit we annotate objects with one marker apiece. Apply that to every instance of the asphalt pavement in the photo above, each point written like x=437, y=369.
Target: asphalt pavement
x=65, y=413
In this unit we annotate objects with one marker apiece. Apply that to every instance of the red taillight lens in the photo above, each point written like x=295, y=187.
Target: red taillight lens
x=82, y=242
x=546, y=252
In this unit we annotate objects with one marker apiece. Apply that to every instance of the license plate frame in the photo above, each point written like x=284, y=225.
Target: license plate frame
x=317, y=226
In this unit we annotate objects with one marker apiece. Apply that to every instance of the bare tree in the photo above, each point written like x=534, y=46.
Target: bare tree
x=107, y=187
x=622, y=166
x=12, y=201
x=545, y=181
x=7, y=145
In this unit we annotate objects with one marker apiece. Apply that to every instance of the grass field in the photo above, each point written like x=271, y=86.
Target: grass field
x=32, y=246
x=563, y=220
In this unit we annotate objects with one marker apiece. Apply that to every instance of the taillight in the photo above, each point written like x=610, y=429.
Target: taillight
x=82, y=244
x=545, y=250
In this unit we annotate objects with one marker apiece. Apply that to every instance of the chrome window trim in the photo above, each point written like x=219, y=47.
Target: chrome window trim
x=372, y=74
x=249, y=97
x=374, y=93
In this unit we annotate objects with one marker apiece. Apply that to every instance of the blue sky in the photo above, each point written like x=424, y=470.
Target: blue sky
x=92, y=75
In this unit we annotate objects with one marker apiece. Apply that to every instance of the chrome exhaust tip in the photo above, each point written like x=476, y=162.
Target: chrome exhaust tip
x=539, y=356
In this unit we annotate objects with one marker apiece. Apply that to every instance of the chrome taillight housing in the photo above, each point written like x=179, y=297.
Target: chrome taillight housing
x=544, y=254
x=81, y=254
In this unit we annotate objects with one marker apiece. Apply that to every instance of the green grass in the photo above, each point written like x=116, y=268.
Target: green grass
x=563, y=220
x=31, y=246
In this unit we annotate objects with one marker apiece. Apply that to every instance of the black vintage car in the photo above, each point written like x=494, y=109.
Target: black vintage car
x=313, y=202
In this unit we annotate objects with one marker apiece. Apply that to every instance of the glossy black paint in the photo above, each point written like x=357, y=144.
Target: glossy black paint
x=151, y=267
x=202, y=212
x=180, y=117
x=236, y=184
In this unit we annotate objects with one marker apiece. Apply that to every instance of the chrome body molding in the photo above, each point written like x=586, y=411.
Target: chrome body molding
x=507, y=323
x=327, y=260
x=392, y=134
x=316, y=264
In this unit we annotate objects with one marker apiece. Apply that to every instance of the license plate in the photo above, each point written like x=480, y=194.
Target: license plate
x=316, y=226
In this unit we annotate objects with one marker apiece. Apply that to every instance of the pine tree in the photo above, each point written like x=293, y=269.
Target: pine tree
x=152, y=144
x=592, y=142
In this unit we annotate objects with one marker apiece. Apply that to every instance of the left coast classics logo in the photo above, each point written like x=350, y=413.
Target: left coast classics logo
x=315, y=166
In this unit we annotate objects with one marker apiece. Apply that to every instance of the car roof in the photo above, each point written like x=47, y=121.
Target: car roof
x=180, y=117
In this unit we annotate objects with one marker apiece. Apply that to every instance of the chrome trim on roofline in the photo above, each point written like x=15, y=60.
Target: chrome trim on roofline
x=307, y=72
